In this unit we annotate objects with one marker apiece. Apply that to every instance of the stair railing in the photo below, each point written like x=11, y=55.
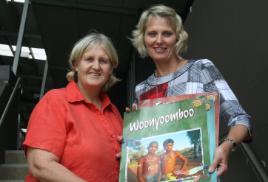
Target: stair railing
x=12, y=95
x=254, y=162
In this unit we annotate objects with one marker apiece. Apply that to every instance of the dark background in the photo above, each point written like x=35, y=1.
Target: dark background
x=233, y=34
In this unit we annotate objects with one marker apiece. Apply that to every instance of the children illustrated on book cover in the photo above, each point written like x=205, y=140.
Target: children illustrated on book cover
x=170, y=142
x=166, y=157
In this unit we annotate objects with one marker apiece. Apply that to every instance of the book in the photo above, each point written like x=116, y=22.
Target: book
x=170, y=139
x=170, y=99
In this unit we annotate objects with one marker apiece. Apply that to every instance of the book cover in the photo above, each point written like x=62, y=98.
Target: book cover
x=170, y=140
x=170, y=99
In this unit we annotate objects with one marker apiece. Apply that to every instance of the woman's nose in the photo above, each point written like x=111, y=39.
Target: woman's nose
x=96, y=64
x=159, y=39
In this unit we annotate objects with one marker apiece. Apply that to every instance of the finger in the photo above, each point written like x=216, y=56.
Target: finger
x=213, y=166
x=221, y=169
x=120, y=138
x=127, y=109
x=134, y=107
x=118, y=155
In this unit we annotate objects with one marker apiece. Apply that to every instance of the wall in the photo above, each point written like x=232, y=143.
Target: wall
x=233, y=34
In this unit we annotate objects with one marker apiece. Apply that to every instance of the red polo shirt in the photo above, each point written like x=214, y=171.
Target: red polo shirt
x=83, y=137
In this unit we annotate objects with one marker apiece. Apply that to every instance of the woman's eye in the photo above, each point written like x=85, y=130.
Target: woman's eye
x=104, y=61
x=151, y=34
x=89, y=59
x=167, y=34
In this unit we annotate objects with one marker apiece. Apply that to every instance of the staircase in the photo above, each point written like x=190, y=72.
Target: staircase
x=15, y=167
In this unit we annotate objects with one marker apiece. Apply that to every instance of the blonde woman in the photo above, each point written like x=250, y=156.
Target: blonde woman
x=160, y=35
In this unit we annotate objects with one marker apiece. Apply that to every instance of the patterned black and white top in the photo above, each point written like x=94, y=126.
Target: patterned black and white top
x=196, y=76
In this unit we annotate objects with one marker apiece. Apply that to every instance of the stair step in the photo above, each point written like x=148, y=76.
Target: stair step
x=15, y=157
x=13, y=171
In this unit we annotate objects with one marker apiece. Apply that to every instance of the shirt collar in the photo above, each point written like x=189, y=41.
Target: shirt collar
x=153, y=80
x=74, y=95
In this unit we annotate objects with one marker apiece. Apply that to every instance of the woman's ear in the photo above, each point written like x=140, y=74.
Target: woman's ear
x=75, y=66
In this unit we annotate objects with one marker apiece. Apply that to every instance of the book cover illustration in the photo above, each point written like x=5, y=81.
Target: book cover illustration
x=170, y=142
x=170, y=99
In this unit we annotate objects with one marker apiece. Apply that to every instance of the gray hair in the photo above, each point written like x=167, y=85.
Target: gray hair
x=86, y=43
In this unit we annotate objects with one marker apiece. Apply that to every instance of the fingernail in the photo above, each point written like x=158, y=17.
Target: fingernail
x=210, y=172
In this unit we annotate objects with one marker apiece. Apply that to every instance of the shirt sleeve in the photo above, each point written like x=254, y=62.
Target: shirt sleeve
x=47, y=125
x=230, y=109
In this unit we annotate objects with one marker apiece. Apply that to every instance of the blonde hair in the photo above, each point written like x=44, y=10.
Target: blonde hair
x=164, y=12
x=86, y=43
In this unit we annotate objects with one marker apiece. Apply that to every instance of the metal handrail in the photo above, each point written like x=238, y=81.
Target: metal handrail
x=10, y=100
x=255, y=162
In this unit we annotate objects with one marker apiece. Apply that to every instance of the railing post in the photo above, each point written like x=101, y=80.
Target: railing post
x=20, y=37
x=44, y=80
x=131, y=79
